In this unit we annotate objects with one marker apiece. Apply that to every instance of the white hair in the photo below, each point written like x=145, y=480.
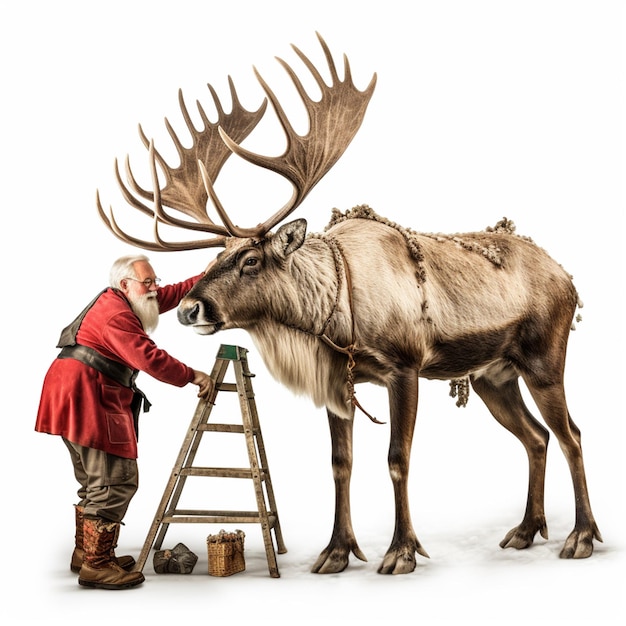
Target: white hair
x=124, y=268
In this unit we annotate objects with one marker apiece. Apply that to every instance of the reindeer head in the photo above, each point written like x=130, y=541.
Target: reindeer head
x=240, y=287
x=248, y=272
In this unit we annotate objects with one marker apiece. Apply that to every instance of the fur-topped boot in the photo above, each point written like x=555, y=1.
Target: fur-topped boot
x=99, y=569
x=126, y=562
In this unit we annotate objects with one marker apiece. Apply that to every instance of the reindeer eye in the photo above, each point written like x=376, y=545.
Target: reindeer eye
x=249, y=265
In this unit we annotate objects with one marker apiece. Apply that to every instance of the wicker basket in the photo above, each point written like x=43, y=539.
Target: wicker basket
x=226, y=553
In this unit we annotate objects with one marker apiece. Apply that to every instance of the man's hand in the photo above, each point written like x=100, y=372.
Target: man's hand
x=205, y=384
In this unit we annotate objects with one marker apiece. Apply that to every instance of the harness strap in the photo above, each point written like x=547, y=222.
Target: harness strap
x=351, y=349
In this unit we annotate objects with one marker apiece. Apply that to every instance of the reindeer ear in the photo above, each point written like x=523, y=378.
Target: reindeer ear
x=290, y=237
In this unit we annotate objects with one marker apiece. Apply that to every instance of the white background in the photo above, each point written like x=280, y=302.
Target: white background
x=482, y=110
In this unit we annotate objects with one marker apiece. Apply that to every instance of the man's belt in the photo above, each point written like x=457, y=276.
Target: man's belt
x=120, y=373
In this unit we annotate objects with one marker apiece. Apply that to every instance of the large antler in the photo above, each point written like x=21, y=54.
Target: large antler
x=333, y=123
x=184, y=190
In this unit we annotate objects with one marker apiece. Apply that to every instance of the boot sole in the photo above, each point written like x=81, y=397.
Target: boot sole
x=96, y=585
x=128, y=567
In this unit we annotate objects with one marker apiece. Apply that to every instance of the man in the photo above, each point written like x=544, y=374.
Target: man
x=89, y=398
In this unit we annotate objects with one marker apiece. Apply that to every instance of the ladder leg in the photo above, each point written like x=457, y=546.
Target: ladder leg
x=280, y=545
x=246, y=399
x=260, y=446
x=176, y=482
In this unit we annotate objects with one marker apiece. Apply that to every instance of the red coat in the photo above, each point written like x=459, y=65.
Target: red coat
x=91, y=409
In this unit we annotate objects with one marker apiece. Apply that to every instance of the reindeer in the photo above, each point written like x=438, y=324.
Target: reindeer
x=370, y=301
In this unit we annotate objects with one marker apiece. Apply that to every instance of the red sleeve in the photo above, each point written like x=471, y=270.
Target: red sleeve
x=170, y=295
x=124, y=336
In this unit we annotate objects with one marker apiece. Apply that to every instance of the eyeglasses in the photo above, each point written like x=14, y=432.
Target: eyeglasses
x=148, y=282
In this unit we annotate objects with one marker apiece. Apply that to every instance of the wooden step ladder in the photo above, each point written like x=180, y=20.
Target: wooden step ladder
x=266, y=514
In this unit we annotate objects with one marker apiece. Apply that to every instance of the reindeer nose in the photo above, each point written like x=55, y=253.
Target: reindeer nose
x=188, y=312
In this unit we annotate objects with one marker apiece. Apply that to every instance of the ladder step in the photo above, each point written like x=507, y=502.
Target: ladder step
x=226, y=387
x=222, y=428
x=221, y=472
x=190, y=516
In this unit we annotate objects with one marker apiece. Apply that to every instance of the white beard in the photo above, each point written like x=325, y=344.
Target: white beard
x=146, y=308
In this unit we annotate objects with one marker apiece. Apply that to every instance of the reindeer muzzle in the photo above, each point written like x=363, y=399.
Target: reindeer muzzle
x=200, y=315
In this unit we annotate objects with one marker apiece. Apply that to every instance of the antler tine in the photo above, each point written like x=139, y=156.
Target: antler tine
x=188, y=199
x=159, y=244
x=184, y=188
x=205, y=225
x=334, y=121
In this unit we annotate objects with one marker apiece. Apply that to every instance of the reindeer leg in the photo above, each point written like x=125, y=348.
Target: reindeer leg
x=551, y=402
x=334, y=558
x=505, y=402
x=400, y=557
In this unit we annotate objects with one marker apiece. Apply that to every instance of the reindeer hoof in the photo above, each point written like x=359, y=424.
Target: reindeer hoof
x=401, y=560
x=579, y=545
x=330, y=563
x=516, y=539
x=335, y=560
x=394, y=565
x=522, y=536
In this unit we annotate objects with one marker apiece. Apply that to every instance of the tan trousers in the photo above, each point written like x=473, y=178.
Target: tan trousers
x=107, y=482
